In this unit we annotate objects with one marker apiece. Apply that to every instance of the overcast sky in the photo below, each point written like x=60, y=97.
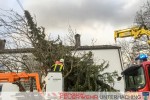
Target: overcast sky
x=92, y=19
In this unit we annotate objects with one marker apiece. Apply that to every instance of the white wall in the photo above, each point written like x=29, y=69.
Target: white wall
x=111, y=55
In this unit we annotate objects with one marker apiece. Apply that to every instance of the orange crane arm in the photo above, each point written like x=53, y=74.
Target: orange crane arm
x=36, y=77
x=13, y=77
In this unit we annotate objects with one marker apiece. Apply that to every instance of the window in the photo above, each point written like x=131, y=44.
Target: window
x=1, y=88
x=135, y=79
x=149, y=71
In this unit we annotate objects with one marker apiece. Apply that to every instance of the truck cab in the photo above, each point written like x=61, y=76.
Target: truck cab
x=137, y=77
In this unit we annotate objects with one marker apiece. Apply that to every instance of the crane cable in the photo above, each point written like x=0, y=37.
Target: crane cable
x=20, y=5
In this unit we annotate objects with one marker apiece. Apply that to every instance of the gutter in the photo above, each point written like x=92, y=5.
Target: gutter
x=119, y=50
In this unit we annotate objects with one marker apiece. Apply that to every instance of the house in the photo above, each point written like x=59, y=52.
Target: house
x=100, y=52
x=109, y=53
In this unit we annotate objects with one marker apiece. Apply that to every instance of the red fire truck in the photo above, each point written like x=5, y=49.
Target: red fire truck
x=137, y=77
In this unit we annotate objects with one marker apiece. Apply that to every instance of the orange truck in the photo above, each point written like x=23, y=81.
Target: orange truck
x=13, y=80
x=13, y=77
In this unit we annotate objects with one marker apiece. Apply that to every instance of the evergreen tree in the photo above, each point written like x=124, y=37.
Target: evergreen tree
x=80, y=73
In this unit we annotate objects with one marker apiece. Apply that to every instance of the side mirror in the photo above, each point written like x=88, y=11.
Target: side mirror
x=119, y=78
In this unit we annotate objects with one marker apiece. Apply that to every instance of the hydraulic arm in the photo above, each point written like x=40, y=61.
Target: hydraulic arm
x=135, y=32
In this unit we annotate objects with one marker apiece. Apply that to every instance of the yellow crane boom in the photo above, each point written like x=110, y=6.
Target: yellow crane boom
x=135, y=32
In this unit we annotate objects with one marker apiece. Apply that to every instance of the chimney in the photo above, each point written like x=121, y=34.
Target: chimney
x=77, y=40
x=2, y=44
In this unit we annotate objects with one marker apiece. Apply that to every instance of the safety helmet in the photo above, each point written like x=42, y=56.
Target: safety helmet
x=62, y=60
x=143, y=56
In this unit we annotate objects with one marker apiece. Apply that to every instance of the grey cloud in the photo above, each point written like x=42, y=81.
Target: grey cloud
x=55, y=14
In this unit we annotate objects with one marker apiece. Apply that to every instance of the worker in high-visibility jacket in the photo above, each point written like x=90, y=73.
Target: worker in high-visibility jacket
x=58, y=66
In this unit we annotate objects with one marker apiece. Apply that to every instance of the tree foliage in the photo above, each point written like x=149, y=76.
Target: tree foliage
x=80, y=73
x=131, y=48
x=143, y=15
x=87, y=76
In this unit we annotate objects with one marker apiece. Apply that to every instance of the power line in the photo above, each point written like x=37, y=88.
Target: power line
x=20, y=5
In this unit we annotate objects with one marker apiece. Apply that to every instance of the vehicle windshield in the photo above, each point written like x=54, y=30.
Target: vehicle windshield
x=134, y=79
x=0, y=88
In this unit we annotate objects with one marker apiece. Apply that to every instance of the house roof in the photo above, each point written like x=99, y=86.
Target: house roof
x=98, y=47
x=22, y=50
x=28, y=50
